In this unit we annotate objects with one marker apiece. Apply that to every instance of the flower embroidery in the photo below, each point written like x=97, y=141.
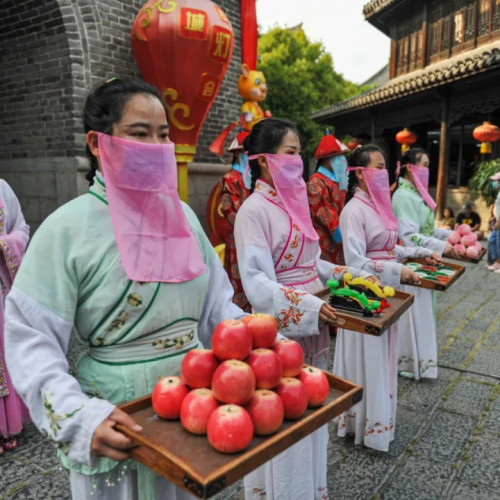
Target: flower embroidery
x=378, y=428
x=323, y=491
x=53, y=417
x=261, y=492
x=339, y=271
x=288, y=257
x=4, y=390
x=176, y=342
x=118, y=322
x=297, y=228
x=134, y=299
x=292, y=295
x=286, y=316
x=295, y=242
x=343, y=417
x=417, y=240
x=377, y=266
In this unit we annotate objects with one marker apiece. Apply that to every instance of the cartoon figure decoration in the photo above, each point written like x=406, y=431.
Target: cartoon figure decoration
x=326, y=192
x=253, y=88
x=223, y=203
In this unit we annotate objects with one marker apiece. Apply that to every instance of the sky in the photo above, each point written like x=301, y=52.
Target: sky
x=358, y=49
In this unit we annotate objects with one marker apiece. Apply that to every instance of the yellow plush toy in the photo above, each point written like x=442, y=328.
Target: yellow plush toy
x=252, y=87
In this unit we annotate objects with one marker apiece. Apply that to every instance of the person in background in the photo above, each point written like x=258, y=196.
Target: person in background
x=471, y=218
x=281, y=270
x=235, y=189
x=494, y=239
x=139, y=303
x=369, y=231
x=447, y=219
x=14, y=235
x=326, y=191
x=414, y=209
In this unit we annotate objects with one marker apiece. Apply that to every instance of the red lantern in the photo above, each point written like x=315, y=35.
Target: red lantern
x=486, y=134
x=183, y=47
x=406, y=137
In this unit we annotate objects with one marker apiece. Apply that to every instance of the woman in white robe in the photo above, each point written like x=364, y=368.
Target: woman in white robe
x=369, y=233
x=414, y=209
x=281, y=269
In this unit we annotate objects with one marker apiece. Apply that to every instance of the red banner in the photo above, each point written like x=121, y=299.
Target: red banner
x=249, y=33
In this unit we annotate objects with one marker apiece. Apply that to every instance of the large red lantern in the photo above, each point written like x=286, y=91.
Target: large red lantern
x=353, y=144
x=486, y=134
x=406, y=137
x=183, y=47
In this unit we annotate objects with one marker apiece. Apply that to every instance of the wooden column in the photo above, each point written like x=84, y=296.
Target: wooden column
x=443, y=167
x=460, y=156
x=373, y=128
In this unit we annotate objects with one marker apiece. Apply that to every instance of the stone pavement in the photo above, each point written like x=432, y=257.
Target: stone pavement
x=447, y=442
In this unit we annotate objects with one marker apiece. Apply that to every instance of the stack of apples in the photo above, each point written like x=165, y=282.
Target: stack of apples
x=248, y=383
x=465, y=242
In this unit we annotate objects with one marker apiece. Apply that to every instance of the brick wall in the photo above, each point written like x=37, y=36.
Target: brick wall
x=53, y=53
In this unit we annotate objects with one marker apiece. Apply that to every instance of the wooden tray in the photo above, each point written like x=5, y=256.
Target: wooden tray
x=375, y=325
x=433, y=285
x=190, y=462
x=464, y=258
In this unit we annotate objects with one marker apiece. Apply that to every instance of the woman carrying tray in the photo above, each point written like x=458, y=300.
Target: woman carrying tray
x=414, y=208
x=369, y=233
x=278, y=256
x=128, y=266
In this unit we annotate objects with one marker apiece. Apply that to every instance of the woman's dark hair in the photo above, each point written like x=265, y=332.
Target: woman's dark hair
x=450, y=210
x=410, y=157
x=104, y=107
x=360, y=157
x=266, y=137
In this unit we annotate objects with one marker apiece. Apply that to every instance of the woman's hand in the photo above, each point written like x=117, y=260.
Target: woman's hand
x=434, y=259
x=107, y=442
x=449, y=251
x=409, y=276
x=327, y=314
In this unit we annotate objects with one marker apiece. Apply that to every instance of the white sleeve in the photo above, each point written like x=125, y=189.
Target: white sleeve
x=403, y=253
x=296, y=311
x=389, y=273
x=442, y=234
x=15, y=219
x=36, y=342
x=327, y=270
x=218, y=303
x=408, y=231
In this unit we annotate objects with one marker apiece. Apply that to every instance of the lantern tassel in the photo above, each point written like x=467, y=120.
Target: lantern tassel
x=217, y=147
x=485, y=148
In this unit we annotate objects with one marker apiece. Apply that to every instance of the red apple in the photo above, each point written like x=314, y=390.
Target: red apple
x=230, y=429
x=291, y=355
x=294, y=395
x=317, y=385
x=266, y=365
x=167, y=397
x=233, y=382
x=263, y=327
x=198, y=367
x=267, y=412
x=196, y=409
x=231, y=340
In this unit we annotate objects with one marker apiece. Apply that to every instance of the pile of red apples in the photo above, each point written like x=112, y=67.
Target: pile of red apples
x=247, y=384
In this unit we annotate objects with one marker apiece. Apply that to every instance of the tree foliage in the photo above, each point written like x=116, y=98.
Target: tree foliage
x=301, y=79
x=481, y=181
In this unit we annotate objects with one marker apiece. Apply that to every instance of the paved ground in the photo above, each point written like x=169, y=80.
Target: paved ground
x=447, y=436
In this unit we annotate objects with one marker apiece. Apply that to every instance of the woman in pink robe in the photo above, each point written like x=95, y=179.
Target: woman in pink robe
x=14, y=235
x=280, y=267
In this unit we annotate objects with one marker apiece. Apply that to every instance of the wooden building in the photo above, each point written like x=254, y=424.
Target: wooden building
x=444, y=80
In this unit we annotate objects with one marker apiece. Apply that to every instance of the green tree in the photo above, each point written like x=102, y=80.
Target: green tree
x=301, y=79
x=481, y=181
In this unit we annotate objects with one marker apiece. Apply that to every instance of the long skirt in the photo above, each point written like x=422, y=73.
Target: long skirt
x=299, y=472
x=371, y=362
x=417, y=346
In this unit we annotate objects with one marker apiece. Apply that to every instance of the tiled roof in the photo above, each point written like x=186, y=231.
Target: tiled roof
x=438, y=74
x=376, y=6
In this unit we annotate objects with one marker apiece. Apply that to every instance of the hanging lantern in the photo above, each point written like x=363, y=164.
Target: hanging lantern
x=486, y=134
x=183, y=47
x=406, y=137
